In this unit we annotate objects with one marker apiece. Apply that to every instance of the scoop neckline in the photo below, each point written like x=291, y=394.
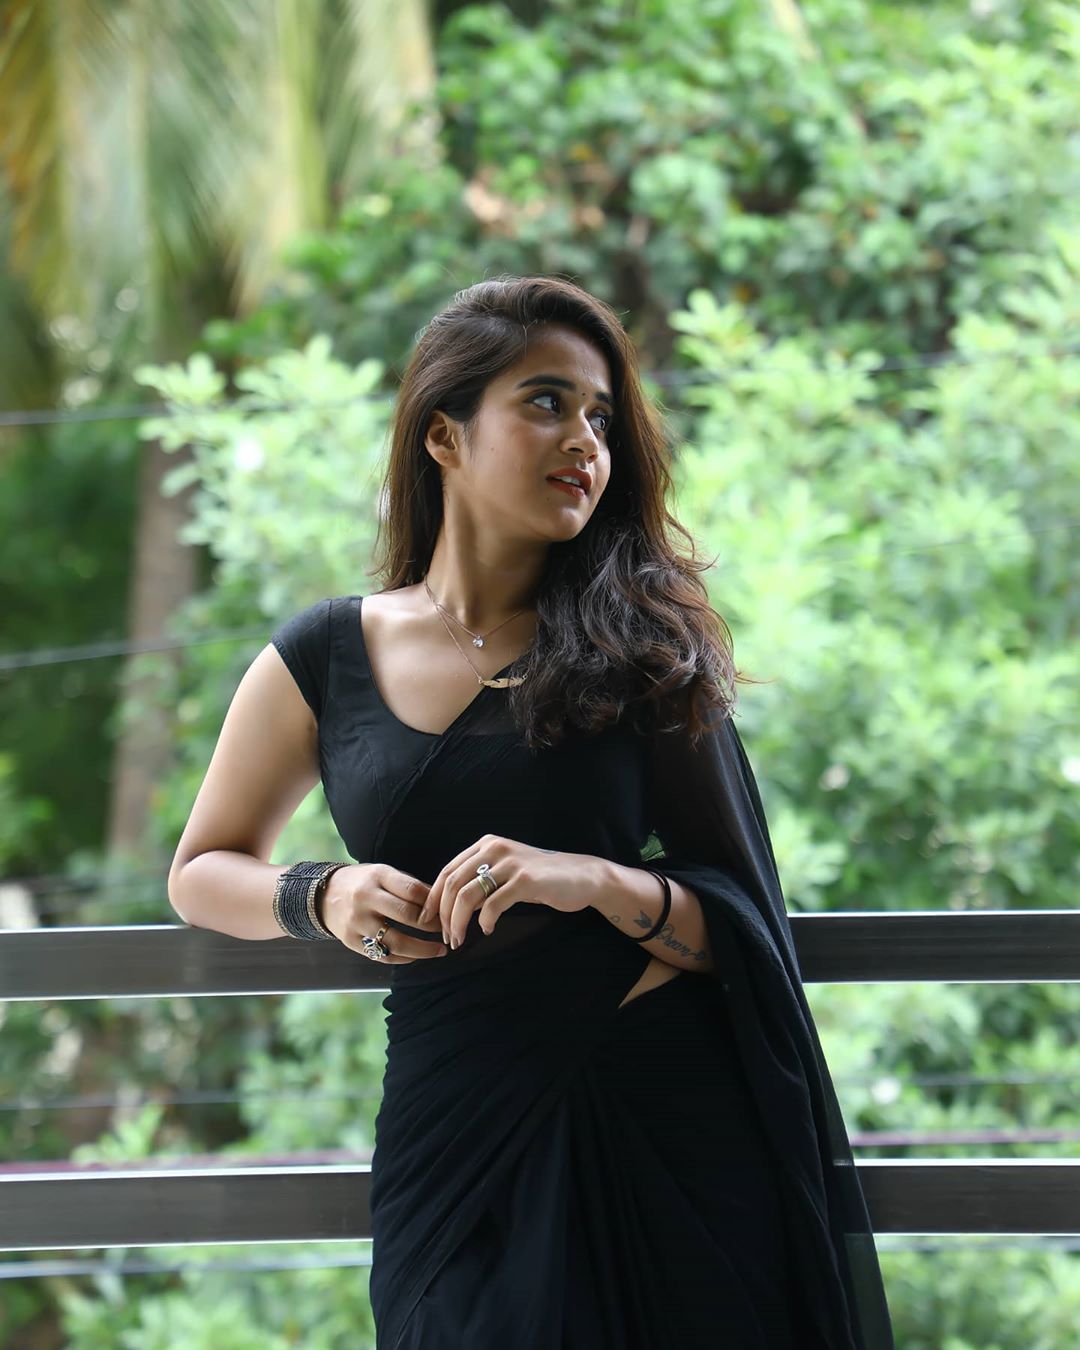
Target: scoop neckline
x=416, y=731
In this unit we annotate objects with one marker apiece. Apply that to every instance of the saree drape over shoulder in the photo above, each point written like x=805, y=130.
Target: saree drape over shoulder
x=552, y=1171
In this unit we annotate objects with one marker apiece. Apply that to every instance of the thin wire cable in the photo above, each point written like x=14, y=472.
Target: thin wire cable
x=46, y=656
x=92, y=651
x=137, y=412
x=925, y=361
x=133, y=412
x=207, y=1097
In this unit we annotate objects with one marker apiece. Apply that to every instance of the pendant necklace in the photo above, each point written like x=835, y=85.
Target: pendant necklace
x=507, y=682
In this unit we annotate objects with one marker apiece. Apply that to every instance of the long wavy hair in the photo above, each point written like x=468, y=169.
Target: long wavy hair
x=624, y=624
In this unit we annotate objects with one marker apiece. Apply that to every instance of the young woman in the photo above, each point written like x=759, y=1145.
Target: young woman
x=607, y=1122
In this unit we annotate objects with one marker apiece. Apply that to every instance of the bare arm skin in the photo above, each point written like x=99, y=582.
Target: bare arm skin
x=631, y=899
x=264, y=764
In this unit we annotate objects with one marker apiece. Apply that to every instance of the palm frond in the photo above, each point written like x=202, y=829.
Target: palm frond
x=273, y=179
x=144, y=141
x=387, y=63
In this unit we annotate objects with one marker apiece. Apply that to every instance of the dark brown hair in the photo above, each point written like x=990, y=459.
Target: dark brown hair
x=624, y=623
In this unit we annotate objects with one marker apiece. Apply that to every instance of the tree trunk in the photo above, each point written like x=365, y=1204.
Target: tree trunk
x=164, y=574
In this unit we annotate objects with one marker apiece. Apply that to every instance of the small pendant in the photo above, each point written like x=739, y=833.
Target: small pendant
x=478, y=642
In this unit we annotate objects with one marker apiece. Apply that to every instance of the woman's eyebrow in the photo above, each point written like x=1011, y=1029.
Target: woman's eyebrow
x=599, y=395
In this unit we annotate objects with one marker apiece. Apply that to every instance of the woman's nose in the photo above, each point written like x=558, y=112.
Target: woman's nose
x=588, y=440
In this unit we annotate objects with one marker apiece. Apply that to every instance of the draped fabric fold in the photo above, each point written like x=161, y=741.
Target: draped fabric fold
x=707, y=813
x=475, y=1080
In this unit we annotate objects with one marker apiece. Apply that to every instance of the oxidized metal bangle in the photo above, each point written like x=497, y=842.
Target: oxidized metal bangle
x=317, y=885
x=294, y=900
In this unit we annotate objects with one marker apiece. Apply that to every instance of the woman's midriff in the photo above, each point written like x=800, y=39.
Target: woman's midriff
x=655, y=974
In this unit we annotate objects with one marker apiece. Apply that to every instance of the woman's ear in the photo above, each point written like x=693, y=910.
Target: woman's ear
x=441, y=438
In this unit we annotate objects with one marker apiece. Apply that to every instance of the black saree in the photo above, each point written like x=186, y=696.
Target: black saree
x=552, y=1171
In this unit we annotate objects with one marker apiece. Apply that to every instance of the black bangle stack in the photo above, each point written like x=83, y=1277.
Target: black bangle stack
x=664, y=912
x=295, y=895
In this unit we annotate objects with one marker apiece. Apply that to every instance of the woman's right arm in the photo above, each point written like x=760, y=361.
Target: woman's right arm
x=265, y=763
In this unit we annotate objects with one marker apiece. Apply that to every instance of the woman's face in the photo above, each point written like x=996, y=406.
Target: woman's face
x=550, y=413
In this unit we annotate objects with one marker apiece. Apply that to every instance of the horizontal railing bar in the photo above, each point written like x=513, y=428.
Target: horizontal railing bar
x=973, y=1195
x=319, y=1258
x=64, y=1169
x=49, y=1211
x=959, y=946
x=158, y=960
x=332, y=1257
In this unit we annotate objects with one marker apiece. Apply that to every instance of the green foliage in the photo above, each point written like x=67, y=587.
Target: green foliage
x=655, y=148
x=793, y=230
x=304, y=427
x=902, y=566
x=217, y=1311
x=20, y=816
x=896, y=557
x=65, y=509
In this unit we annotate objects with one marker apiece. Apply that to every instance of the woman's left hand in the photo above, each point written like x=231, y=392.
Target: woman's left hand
x=539, y=876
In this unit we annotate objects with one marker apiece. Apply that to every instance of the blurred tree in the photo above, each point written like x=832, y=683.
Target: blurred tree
x=893, y=538
x=153, y=161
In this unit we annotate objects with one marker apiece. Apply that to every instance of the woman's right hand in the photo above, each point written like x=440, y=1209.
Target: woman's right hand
x=361, y=898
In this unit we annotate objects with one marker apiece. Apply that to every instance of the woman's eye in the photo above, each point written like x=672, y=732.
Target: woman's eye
x=555, y=399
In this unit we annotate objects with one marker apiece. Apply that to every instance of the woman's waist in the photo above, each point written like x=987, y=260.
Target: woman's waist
x=557, y=967
x=518, y=924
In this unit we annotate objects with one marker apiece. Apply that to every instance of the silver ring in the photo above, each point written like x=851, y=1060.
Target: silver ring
x=487, y=882
x=374, y=947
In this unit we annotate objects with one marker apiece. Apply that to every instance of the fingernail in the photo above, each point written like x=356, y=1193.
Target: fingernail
x=446, y=937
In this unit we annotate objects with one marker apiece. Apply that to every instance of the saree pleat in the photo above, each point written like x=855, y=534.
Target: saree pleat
x=686, y=1219
x=474, y=1076
x=570, y=1196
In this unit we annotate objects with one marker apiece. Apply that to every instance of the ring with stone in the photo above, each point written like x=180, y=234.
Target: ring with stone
x=374, y=947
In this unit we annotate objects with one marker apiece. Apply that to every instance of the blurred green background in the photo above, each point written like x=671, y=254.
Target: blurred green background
x=844, y=237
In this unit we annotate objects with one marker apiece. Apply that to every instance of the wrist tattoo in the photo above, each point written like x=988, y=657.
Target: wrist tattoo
x=666, y=935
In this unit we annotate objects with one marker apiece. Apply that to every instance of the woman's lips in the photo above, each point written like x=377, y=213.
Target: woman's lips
x=575, y=491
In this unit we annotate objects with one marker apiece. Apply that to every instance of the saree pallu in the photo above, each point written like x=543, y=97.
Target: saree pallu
x=542, y=1179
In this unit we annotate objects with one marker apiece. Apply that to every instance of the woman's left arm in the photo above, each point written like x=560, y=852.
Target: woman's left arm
x=631, y=899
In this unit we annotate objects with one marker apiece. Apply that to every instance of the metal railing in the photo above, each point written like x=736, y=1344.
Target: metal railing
x=91, y=1206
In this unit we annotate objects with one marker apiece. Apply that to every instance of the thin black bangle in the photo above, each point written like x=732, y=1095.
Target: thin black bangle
x=658, y=925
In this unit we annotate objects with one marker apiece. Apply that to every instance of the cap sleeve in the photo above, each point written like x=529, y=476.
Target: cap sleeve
x=303, y=643
x=706, y=812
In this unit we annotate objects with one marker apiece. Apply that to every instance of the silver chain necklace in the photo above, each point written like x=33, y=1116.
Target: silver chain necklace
x=507, y=682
